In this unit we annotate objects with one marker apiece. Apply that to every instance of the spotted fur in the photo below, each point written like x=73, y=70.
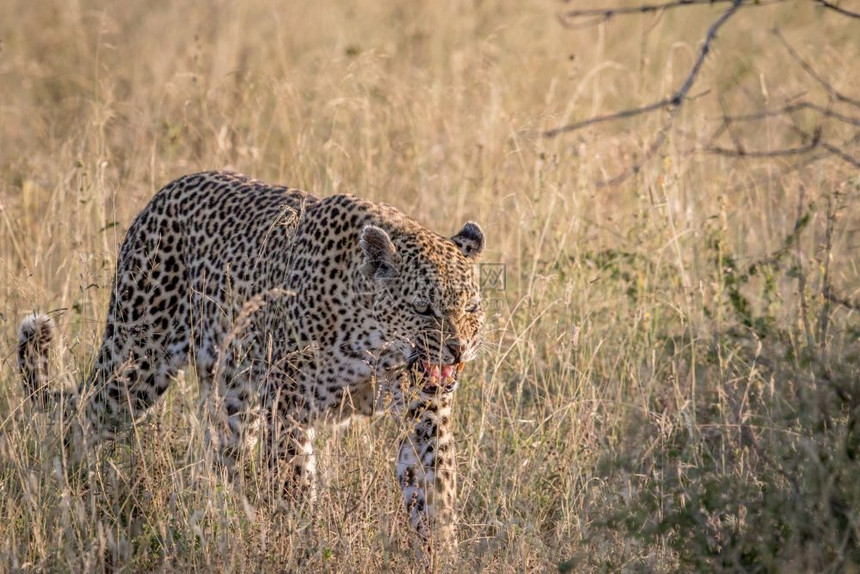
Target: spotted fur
x=294, y=310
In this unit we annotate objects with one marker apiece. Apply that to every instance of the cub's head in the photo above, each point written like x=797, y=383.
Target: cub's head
x=425, y=298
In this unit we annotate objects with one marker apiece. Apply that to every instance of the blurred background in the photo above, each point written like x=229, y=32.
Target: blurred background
x=670, y=375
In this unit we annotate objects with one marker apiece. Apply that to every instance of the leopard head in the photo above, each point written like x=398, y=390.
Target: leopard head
x=425, y=298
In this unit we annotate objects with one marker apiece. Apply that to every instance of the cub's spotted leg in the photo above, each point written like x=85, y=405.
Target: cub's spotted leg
x=426, y=469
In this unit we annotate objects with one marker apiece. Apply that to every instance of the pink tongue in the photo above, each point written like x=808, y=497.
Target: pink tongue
x=447, y=371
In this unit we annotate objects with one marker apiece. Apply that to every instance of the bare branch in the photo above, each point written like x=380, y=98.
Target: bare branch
x=791, y=108
x=813, y=140
x=824, y=263
x=843, y=301
x=834, y=93
x=608, y=118
x=834, y=150
x=674, y=102
x=837, y=9
x=801, y=276
x=600, y=15
x=728, y=121
x=753, y=154
x=642, y=9
x=841, y=154
x=731, y=124
x=677, y=98
x=797, y=166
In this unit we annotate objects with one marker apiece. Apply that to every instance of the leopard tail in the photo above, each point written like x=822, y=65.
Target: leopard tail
x=35, y=335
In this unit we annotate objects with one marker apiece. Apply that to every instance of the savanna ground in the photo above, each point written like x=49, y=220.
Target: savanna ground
x=664, y=386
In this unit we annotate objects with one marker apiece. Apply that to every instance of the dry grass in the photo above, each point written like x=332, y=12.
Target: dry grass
x=648, y=400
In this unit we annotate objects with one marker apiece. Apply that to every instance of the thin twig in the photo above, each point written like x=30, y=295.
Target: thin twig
x=801, y=276
x=824, y=318
x=797, y=166
x=815, y=140
x=843, y=301
x=600, y=15
x=758, y=154
x=667, y=102
x=729, y=120
x=841, y=154
x=791, y=108
x=836, y=94
x=838, y=9
x=643, y=9
x=834, y=150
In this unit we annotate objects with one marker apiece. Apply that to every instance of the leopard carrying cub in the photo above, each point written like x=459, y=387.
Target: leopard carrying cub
x=295, y=310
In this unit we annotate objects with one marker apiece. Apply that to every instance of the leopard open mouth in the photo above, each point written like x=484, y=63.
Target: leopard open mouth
x=440, y=374
x=436, y=378
x=433, y=378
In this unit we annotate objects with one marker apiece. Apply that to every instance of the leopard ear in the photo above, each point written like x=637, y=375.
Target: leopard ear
x=380, y=257
x=470, y=240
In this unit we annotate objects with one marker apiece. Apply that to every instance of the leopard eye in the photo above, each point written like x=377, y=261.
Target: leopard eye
x=422, y=307
x=474, y=307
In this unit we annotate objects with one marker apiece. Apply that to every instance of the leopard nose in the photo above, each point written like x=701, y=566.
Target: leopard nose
x=455, y=349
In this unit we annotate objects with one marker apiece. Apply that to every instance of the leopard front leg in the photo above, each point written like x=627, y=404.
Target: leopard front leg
x=426, y=470
x=290, y=450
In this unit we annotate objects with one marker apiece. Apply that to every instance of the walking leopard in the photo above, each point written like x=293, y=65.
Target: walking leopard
x=301, y=310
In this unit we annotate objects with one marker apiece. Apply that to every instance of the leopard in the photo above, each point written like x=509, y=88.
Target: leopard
x=295, y=311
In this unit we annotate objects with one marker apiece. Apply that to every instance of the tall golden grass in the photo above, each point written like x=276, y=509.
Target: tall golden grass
x=664, y=385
